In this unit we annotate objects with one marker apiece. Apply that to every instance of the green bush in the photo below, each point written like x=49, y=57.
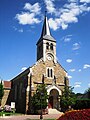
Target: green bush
x=68, y=99
x=82, y=104
x=40, y=98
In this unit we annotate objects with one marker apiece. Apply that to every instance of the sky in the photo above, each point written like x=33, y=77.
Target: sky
x=20, y=29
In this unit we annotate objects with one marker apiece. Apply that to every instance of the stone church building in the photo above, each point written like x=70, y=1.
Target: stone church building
x=46, y=69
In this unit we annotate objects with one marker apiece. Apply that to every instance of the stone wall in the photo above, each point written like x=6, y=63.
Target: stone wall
x=5, y=97
x=40, y=69
x=19, y=91
x=27, y=82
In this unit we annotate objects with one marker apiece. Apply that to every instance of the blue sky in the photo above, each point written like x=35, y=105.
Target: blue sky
x=20, y=28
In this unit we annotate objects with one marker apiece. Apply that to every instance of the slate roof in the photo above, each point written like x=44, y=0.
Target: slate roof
x=46, y=34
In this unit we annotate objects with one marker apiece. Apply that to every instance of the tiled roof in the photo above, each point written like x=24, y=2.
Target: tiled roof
x=7, y=84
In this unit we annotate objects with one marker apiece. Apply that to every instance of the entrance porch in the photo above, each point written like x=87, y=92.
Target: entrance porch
x=54, y=94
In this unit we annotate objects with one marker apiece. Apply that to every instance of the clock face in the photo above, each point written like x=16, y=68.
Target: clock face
x=49, y=57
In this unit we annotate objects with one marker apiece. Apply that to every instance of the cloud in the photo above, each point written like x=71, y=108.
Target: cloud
x=77, y=84
x=20, y=30
x=50, y=6
x=29, y=16
x=69, y=60
x=69, y=76
x=86, y=1
x=71, y=13
x=54, y=23
x=33, y=8
x=72, y=70
x=67, y=14
x=61, y=17
x=67, y=38
x=76, y=46
x=23, y=69
x=86, y=66
x=72, y=0
x=57, y=23
x=79, y=70
x=89, y=85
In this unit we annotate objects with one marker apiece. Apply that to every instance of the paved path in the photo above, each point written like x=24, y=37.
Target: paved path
x=27, y=117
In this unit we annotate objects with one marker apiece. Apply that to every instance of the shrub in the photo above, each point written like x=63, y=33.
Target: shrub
x=76, y=115
x=68, y=99
x=82, y=104
x=40, y=98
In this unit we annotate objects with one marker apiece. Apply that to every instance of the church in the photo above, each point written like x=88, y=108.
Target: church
x=46, y=69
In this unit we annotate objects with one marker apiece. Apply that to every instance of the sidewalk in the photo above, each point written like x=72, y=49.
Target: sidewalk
x=31, y=117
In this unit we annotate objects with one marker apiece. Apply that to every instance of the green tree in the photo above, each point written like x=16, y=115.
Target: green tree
x=68, y=98
x=1, y=91
x=40, y=98
x=88, y=92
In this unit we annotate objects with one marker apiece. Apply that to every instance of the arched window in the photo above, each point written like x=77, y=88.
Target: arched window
x=47, y=45
x=50, y=72
x=51, y=46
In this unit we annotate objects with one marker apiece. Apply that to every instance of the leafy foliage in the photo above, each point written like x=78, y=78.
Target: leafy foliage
x=88, y=92
x=82, y=104
x=68, y=98
x=40, y=98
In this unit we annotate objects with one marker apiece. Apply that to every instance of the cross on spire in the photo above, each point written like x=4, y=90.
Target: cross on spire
x=45, y=12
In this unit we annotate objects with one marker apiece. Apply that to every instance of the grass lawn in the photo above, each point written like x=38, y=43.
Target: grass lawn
x=5, y=113
x=8, y=113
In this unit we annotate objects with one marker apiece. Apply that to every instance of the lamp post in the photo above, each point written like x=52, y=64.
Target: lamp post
x=41, y=115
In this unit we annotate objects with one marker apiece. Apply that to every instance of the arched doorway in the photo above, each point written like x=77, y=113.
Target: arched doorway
x=53, y=101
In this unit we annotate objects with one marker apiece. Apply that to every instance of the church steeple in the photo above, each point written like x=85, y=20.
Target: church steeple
x=46, y=34
x=46, y=29
x=46, y=45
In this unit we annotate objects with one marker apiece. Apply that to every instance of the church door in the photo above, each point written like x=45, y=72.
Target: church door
x=53, y=99
x=50, y=104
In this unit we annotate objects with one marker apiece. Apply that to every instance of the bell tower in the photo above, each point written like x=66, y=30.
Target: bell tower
x=46, y=45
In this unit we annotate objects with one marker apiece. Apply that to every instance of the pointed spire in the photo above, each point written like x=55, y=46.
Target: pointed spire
x=45, y=30
x=45, y=34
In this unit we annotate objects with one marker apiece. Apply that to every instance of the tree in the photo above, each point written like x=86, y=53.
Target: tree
x=40, y=98
x=68, y=98
x=88, y=92
x=1, y=91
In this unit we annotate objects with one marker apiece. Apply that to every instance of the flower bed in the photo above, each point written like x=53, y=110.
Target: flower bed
x=7, y=108
x=76, y=115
